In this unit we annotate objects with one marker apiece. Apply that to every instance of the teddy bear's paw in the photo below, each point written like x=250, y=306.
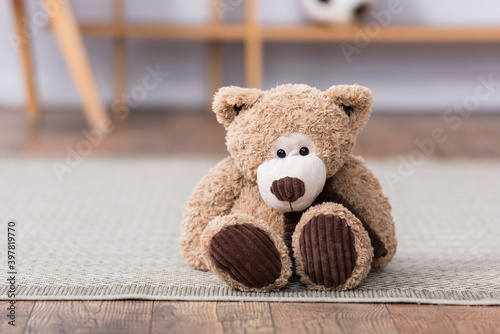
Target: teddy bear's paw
x=248, y=257
x=327, y=249
x=328, y=258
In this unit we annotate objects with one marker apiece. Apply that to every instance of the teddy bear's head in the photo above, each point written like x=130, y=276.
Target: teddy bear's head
x=290, y=139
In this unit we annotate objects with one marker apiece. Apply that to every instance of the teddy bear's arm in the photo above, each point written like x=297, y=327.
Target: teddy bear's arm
x=214, y=196
x=362, y=190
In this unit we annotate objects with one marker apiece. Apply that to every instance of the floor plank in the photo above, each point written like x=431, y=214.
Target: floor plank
x=436, y=319
x=22, y=313
x=90, y=317
x=331, y=318
x=250, y=317
x=185, y=317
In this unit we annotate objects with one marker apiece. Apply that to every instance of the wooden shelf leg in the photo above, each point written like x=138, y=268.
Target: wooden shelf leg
x=253, y=63
x=72, y=48
x=119, y=105
x=32, y=107
x=215, y=66
x=253, y=46
x=215, y=70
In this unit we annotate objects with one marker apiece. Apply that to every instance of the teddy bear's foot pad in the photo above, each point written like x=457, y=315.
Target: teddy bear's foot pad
x=247, y=254
x=327, y=249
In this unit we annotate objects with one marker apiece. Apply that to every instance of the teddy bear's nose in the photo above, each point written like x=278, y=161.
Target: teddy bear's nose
x=288, y=189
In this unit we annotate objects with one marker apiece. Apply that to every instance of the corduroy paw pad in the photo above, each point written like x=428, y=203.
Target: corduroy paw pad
x=247, y=254
x=327, y=249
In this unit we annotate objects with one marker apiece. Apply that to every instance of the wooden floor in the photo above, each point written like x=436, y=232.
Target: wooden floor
x=191, y=133
x=144, y=317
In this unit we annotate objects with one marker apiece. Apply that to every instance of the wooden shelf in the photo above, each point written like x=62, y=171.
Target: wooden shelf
x=253, y=35
x=220, y=32
x=305, y=33
x=393, y=34
x=250, y=32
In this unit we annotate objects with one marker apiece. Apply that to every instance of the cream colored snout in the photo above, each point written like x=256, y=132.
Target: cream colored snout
x=294, y=176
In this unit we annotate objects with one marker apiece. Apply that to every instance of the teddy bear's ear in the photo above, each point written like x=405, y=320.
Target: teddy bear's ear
x=355, y=101
x=230, y=101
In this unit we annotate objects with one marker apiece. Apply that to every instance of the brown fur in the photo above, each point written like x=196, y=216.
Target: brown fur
x=254, y=119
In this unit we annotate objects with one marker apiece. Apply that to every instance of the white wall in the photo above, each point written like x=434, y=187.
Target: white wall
x=405, y=77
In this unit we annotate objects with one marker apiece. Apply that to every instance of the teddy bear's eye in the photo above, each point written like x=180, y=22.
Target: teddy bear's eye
x=281, y=153
x=304, y=151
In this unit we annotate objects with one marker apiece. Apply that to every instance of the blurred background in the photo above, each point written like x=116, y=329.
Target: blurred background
x=421, y=78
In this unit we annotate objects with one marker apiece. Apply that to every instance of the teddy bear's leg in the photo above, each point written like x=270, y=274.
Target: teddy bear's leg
x=332, y=249
x=246, y=253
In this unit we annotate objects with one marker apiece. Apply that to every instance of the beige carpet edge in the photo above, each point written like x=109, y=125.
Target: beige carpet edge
x=174, y=294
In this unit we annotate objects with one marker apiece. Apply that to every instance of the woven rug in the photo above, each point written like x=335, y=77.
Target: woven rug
x=110, y=230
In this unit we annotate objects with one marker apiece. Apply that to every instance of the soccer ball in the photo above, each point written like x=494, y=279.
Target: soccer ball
x=335, y=11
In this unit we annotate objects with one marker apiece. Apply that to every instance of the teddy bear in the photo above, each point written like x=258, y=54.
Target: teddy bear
x=290, y=200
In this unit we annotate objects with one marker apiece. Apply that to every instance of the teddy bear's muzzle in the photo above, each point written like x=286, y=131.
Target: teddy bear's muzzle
x=288, y=189
x=294, y=176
